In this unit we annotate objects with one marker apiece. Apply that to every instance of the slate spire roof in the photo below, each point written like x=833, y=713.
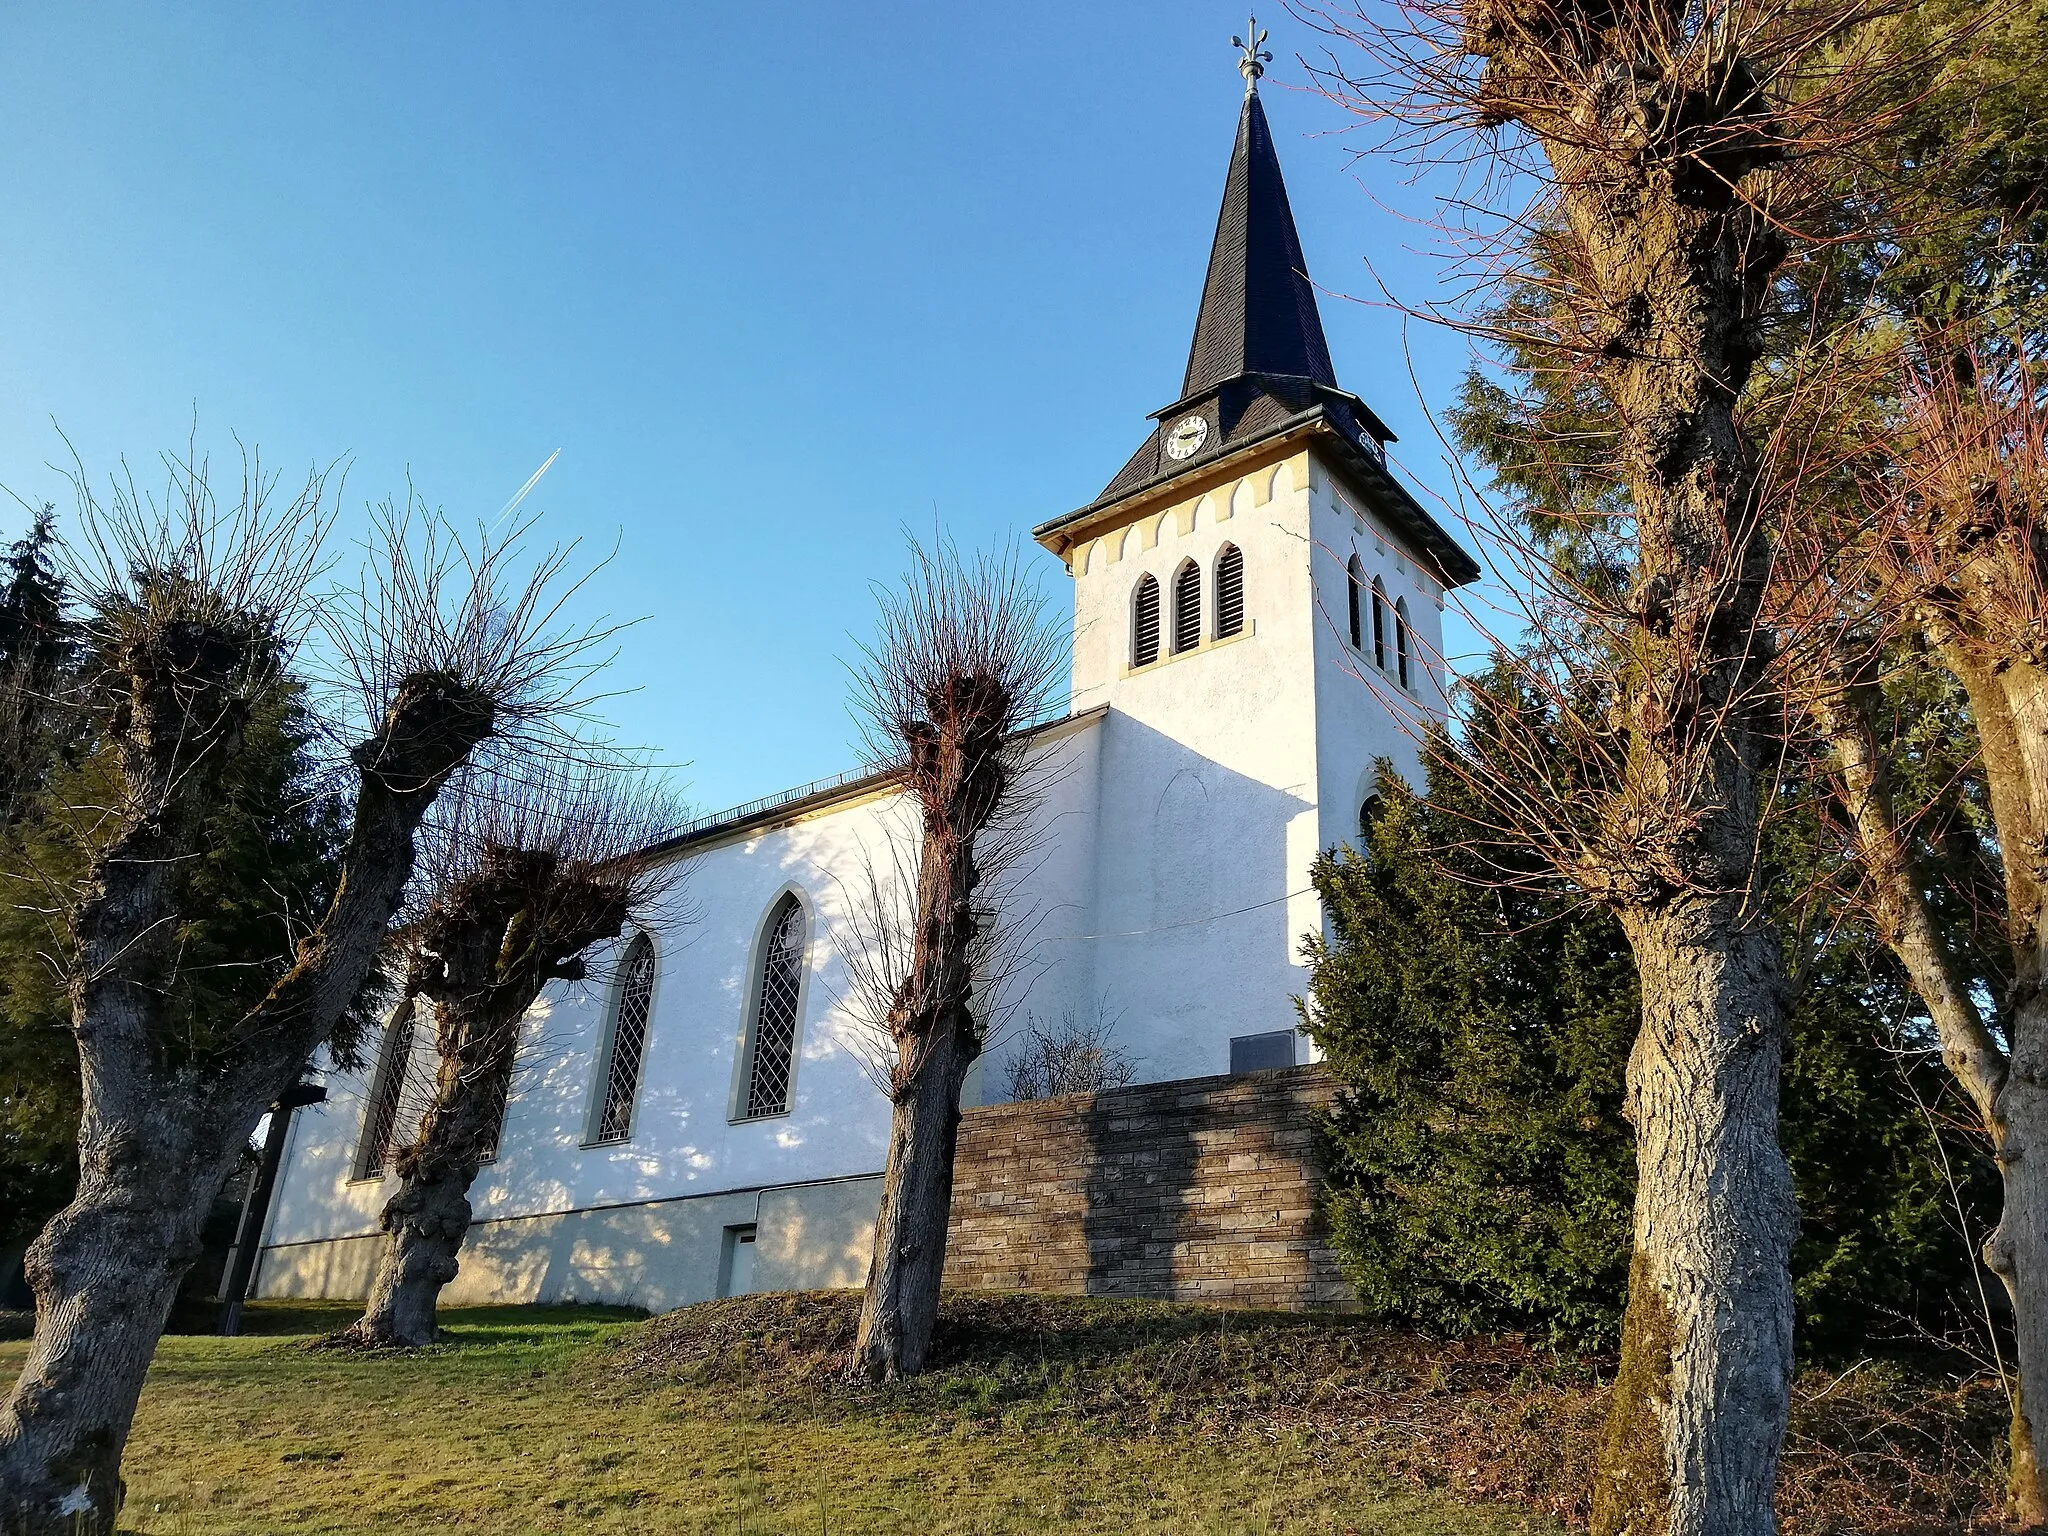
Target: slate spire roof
x=1258, y=310
x=1259, y=367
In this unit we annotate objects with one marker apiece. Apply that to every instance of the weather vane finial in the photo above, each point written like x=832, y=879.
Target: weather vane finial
x=1254, y=62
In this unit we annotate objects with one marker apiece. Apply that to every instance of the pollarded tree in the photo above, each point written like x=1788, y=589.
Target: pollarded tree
x=195, y=612
x=1660, y=142
x=530, y=872
x=965, y=658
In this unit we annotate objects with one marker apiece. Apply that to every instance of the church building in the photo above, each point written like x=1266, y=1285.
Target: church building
x=1257, y=619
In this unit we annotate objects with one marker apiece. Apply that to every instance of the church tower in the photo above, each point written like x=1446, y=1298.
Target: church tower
x=1257, y=603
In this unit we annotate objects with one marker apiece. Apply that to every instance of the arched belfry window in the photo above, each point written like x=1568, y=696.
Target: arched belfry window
x=1229, y=592
x=1401, y=639
x=1355, y=588
x=777, y=1012
x=625, y=1044
x=1145, y=623
x=1379, y=625
x=1187, y=607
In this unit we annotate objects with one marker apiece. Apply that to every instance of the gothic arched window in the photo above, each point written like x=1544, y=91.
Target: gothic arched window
x=1401, y=639
x=1354, y=581
x=777, y=1015
x=1379, y=625
x=1145, y=623
x=625, y=1044
x=1229, y=592
x=380, y=1118
x=1187, y=607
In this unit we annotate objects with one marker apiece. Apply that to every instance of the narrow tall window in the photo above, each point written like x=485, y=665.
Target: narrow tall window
x=494, y=1111
x=771, y=1050
x=1379, y=625
x=1368, y=816
x=1187, y=607
x=626, y=1045
x=1229, y=592
x=380, y=1118
x=1145, y=623
x=1354, y=581
x=1401, y=639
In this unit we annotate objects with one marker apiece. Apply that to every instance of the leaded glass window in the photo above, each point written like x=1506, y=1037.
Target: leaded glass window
x=777, y=1001
x=380, y=1117
x=626, y=1048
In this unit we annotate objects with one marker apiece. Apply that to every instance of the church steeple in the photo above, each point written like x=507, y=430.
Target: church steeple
x=1259, y=376
x=1258, y=313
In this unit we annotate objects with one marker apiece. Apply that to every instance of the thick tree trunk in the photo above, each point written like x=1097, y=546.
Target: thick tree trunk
x=424, y=1224
x=426, y=1219
x=105, y=1272
x=902, y=1303
x=1700, y=1400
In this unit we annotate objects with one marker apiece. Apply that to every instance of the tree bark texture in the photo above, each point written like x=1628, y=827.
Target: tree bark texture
x=1706, y=1355
x=157, y=1140
x=960, y=775
x=901, y=1307
x=1655, y=132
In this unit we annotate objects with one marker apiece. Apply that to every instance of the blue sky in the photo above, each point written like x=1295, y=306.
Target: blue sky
x=776, y=281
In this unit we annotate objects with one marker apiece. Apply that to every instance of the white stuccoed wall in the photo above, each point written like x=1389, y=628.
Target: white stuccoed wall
x=1362, y=713
x=1170, y=888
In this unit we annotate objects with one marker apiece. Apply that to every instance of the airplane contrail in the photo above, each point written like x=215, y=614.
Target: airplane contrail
x=525, y=490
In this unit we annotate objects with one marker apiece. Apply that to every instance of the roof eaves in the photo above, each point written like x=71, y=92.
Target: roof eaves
x=842, y=790
x=1389, y=496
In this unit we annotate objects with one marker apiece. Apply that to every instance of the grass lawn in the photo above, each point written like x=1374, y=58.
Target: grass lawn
x=581, y=1419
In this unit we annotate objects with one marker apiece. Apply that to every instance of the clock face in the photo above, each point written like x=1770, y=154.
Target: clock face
x=1186, y=437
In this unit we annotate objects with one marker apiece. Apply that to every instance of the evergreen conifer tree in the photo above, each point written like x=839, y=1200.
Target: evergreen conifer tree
x=1481, y=1173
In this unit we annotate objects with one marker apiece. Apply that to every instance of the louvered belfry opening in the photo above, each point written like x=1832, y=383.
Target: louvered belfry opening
x=773, y=1055
x=1354, y=574
x=1379, y=625
x=1229, y=592
x=1187, y=607
x=628, y=1047
x=1401, y=639
x=394, y=1057
x=1145, y=623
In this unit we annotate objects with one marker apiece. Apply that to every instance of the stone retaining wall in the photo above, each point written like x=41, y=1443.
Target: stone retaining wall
x=1197, y=1190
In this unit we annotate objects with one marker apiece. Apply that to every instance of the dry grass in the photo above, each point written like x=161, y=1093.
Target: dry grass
x=1879, y=1449
x=1041, y=1413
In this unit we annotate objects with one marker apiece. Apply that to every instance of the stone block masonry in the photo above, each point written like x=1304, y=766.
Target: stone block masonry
x=1203, y=1189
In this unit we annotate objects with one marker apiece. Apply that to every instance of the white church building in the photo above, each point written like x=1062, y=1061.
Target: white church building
x=1257, y=609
